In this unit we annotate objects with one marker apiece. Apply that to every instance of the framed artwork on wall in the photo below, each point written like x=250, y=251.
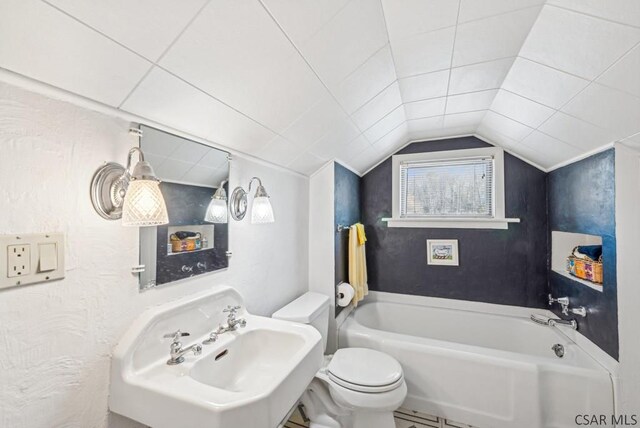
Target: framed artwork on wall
x=442, y=252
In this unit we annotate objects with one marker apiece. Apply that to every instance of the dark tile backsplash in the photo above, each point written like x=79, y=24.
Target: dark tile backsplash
x=346, y=212
x=582, y=200
x=186, y=205
x=496, y=266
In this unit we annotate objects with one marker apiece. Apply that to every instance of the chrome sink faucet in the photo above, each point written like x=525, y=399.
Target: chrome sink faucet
x=177, y=351
x=232, y=324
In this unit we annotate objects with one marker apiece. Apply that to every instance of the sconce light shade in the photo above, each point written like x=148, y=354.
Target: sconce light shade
x=262, y=211
x=217, y=209
x=144, y=204
x=135, y=197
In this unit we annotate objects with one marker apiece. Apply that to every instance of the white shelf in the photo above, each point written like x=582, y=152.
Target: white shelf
x=452, y=223
x=171, y=253
x=597, y=287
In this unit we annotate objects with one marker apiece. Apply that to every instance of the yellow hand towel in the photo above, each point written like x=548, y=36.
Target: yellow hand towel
x=357, y=264
x=362, y=238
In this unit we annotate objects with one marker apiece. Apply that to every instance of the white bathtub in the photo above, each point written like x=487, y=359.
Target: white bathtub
x=487, y=370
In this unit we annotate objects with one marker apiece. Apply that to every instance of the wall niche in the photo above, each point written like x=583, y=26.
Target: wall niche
x=562, y=245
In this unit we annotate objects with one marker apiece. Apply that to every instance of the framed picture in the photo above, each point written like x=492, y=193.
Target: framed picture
x=442, y=252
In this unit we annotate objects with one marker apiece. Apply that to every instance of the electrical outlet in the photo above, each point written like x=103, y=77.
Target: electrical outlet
x=19, y=260
x=31, y=258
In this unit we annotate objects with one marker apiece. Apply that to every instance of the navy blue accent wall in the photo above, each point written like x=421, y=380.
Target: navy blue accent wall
x=346, y=212
x=507, y=267
x=186, y=205
x=582, y=200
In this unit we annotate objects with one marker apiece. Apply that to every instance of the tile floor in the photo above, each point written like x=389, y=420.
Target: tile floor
x=404, y=419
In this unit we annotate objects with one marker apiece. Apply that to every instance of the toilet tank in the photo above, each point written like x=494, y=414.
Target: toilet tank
x=310, y=308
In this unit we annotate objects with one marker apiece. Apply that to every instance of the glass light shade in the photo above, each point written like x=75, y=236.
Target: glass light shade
x=261, y=211
x=144, y=204
x=216, y=211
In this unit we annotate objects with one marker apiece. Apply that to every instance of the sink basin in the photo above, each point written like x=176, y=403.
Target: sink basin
x=247, y=378
x=251, y=362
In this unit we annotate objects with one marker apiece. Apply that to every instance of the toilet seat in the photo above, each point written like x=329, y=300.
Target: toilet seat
x=364, y=370
x=363, y=388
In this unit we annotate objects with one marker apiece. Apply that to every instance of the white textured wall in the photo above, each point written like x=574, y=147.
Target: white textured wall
x=322, y=237
x=628, y=236
x=56, y=338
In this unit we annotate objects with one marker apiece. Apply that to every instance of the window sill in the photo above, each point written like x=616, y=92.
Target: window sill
x=449, y=223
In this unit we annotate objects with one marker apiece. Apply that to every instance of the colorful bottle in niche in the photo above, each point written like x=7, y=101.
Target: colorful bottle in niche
x=185, y=241
x=585, y=262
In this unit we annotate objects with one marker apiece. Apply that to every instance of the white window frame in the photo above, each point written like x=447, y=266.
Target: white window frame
x=498, y=221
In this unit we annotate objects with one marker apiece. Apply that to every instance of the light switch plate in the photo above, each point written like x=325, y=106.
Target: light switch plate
x=31, y=258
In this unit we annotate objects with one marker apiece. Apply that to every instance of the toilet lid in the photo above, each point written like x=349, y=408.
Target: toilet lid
x=364, y=369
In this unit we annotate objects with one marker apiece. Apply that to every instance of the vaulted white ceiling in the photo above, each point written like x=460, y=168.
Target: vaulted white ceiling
x=300, y=82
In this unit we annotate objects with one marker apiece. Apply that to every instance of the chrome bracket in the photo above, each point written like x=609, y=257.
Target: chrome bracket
x=135, y=131
x=108, y=187
x=238, y=204
x=138, y=269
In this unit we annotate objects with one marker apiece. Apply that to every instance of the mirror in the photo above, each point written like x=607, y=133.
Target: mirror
x=191, y=173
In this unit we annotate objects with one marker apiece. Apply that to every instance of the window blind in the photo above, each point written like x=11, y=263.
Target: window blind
x=447, y=188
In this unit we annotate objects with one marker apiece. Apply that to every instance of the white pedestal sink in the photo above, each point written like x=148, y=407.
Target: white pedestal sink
x=248, y=378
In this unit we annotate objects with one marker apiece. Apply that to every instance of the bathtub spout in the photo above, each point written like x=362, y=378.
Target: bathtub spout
x=540, y=319
x=569, y=323
x=552, y=322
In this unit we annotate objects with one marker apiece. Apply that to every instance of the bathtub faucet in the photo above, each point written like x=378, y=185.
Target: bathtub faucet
x=564, y=303
x=569, y=323
x=552, y=322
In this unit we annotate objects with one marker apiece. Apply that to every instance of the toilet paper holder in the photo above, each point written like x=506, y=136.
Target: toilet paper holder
x=339, y=295
x=347, y=293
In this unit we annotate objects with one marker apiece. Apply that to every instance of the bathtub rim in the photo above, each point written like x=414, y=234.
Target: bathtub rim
x=609, y=363
x=466, y=351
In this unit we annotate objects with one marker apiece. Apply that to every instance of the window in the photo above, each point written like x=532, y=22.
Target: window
x=459, y=188
x=447, y=188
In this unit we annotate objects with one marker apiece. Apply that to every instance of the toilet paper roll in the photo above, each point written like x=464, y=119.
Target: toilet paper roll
x=345, y=294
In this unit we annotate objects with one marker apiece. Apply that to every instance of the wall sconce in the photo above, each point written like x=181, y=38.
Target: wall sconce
x=217, y=209
x=133, y=196
x=261, y=211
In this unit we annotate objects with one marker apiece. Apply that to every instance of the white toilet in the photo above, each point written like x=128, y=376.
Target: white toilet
x=356, y=387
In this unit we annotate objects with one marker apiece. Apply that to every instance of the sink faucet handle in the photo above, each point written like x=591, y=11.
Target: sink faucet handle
x=176, y=335
x=232, y=309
